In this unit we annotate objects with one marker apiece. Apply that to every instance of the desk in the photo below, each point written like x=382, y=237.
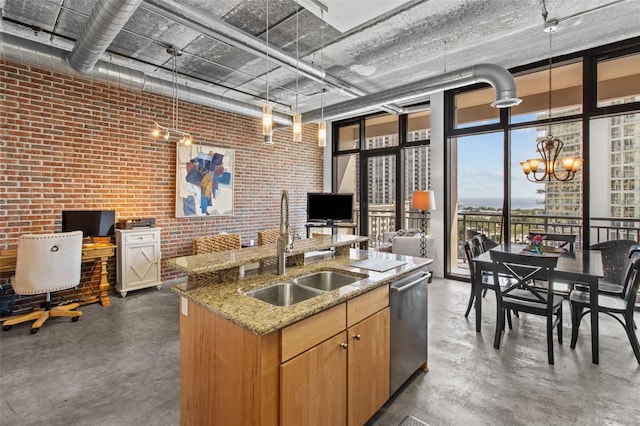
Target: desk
x=333, y=226
x=90, y=252
x=583, y=266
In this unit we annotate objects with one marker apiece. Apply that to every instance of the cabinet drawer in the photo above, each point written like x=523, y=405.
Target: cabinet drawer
x=367, y=304
x=141, y=237
x=307, y=333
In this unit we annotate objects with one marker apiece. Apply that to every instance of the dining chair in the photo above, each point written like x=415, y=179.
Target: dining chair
x=620, y=309
x=522, y=296
x=471, y=250
x=47, y=263
x=563, y=241
x=616, y=255
x=486, y=243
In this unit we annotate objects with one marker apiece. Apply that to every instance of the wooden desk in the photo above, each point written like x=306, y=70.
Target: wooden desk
x=90, y=252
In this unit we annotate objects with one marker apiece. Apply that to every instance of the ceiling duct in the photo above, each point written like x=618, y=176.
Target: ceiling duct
x=28, y=52
x=498, y=77
x=107, y=18
x=220, y=30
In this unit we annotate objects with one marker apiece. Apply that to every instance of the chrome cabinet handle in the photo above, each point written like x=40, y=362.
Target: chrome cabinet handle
x=357, y=337
x=344, y=345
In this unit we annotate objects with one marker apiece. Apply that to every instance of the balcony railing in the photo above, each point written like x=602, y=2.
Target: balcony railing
x=382, y=219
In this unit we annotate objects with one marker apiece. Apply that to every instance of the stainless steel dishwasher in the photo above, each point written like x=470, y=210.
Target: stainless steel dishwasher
x=408, y=302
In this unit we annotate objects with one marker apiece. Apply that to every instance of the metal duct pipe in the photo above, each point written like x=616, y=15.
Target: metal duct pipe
x=107, y=18
x=39, y=55
x=495, y=75
x=220, y=30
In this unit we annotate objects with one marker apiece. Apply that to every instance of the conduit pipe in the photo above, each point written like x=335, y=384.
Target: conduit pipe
x=107, y=18
x=226, y=33
x=498, y=77
x=28, y=52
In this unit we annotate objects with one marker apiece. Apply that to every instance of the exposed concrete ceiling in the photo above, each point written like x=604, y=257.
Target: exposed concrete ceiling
x=416, y=40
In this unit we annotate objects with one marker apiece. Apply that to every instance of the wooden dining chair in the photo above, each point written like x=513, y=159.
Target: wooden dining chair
x=522, y=296
x=620, y=309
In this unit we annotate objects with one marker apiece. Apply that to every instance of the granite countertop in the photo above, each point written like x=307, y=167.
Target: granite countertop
x=210, y=262
x=228, y=300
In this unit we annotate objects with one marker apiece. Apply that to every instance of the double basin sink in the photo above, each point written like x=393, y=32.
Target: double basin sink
x=303, y=288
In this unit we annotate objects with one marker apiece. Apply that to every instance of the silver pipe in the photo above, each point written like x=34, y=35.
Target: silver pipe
x=226, y=33
x=28, y=52
x=107, y=18
x=495, y=75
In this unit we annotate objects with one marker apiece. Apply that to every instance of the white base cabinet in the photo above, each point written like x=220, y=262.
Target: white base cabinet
x=138, y=262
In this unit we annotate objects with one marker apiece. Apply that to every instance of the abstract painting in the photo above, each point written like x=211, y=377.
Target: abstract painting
x=204, y=180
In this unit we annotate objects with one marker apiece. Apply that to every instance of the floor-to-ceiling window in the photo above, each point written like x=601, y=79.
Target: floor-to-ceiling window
x=486, y=147
x=384, y=169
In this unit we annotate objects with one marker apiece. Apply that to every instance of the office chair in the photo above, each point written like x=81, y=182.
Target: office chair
x=47, y=263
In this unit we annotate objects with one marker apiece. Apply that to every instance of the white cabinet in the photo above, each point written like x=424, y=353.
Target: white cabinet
x=138, y=264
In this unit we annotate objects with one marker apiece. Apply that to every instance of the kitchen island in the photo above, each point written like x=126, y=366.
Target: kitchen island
x=324, y=360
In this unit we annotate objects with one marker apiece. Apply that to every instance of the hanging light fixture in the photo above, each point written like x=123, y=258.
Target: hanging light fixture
x=167, y=132
x=547, y=167
x=297, y=117
x=322, y=126
x=267, y=112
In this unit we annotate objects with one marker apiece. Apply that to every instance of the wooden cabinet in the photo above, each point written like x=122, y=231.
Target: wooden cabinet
x=138, y=262
x=368, y=367
x=344, y=379
x=329, y=369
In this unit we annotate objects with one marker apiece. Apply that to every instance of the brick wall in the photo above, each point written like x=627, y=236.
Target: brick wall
x=70, y=143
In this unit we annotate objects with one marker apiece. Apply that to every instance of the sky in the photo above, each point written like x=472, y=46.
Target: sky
x=480, y=170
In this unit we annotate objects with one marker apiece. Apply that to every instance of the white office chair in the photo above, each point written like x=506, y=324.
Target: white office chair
x=47, y=263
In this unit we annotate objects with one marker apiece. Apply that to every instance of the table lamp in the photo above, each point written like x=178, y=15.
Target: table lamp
x=423, y=201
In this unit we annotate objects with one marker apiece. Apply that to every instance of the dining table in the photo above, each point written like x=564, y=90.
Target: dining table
x=583, y=267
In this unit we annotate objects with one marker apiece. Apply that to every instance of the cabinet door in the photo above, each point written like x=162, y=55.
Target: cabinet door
x=313, y=385
x=141, y=265
x=368, y=367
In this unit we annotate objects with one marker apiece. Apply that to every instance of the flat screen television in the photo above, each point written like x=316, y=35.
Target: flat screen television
x=92, y=223
x=329, y=207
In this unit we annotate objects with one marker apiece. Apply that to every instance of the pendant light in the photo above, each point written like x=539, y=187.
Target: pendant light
x=322, y=126
x=167, y=132
x=547, y=167
x=297, y=117
x=267, y=113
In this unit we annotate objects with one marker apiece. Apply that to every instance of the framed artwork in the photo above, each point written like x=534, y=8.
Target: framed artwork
x=204, y=180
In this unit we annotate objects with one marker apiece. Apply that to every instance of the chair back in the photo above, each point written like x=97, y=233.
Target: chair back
x=615, y=258
x=632, y=283
x=268, y=236
x=471, y=251
x=485, y=242
x=522, y=269
x=48, y=262
x=634, y=256
x=215, y=243
x=563, y=241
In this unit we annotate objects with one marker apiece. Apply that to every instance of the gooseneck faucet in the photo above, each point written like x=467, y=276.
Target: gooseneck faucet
x=285, y=242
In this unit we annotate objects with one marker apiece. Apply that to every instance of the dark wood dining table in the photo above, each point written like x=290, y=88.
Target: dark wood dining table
x=581, y=266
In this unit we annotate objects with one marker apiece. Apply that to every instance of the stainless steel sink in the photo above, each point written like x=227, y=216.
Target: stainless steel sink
x=284, y=294
x=326, y=280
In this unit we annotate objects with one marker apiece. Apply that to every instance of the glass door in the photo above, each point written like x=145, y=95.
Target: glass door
x=476, y=183
x=379, y=209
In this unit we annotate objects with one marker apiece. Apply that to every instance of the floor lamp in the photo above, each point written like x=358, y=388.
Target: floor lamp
x=423, y=201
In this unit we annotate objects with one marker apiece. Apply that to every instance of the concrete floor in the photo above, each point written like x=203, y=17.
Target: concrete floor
x=120, y=366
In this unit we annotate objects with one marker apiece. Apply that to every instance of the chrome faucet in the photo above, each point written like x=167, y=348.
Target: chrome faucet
x=285, y=242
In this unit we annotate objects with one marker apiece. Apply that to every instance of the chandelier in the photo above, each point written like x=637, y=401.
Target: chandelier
x=167, y=132
x=550, y=166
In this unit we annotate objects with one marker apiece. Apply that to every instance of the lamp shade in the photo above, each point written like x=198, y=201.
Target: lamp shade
x=423, y=200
